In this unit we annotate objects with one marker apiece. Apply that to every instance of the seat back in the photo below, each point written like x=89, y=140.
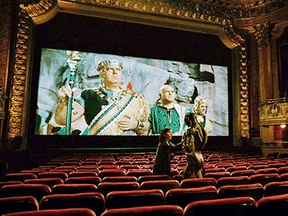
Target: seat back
x=111, y=172
x=61, y=175
x=256, y=191
x=243, y=173
x=47, y=181
x=198, y=182
x=139, y=172
x=163, y=210
x=36, y=190
x=82, y=174
x=217, y=175
x=18, y=204
x=272, y=205
x=164, y=185
x=183, y=196
x=58, y=212
x=19, y=176
x=264, y=178
x=135, y=198
x=10, y=183
x=119, y=179
x=238, y=206
x=92, y=200
x=73, y=188
x=232, y=180
x=106, y=187
x=152, y=177
x=276, y=188
x=83, y=180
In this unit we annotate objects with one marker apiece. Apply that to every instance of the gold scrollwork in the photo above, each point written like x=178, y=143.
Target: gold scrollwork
x=16, y=103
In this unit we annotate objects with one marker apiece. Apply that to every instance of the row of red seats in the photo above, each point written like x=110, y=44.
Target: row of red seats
x=242, y=184
x=90, y=204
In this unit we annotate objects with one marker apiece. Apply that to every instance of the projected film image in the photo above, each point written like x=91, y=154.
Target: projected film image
x=83, y=93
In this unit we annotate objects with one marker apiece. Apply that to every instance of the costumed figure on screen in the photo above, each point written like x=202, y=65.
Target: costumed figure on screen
x=167, y=113
x=108, y=109
x=163, y=154
x=193, y=141
x=200, y=110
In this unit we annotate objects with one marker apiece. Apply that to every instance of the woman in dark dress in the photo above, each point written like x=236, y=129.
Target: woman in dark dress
x=194, y=141
x=165, y=148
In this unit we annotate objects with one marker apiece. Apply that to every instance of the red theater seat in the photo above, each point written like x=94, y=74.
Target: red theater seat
x=111, y=172
x=109, y=166
x=275, y=165
x=82, y=174
x=10, y=183
x=256, y=167
x=222, y=169
x=35, y=171
x=92, y=200
x=36, y=190
x=256, y=191
x=119, y=179
x=272, y=205
x=236, y=180
x=62, y=170
x=73, y=188
x=18, y=204
x=152, y=177
x=61, y=175
x=130, y=166
x=282, y=170
x=266, y=170
x=225, y=207
x=243, y=173
x=183, y=196
x=164, y=185
x=276, y=188
x=57, y=212
x=135, y=198
x=83, y=180
x=235, y=168
x=198, y=182
x=264, y=178
x=139, y=172
x=73, y=168
x=163, y=210
x=46, y=181
x=217, y=175
x=106, y=187
x=19, y=176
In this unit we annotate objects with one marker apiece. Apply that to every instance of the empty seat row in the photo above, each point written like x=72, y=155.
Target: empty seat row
x=237, y=206
x=170, y=189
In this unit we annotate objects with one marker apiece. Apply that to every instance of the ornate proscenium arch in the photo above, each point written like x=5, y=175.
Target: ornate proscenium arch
x=191, y=16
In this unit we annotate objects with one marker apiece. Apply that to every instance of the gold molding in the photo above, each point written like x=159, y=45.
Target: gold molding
x=273, y=114
x=19, y=77
x=192, y=16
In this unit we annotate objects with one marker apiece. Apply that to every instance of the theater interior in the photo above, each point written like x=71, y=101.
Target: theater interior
x=245, y=43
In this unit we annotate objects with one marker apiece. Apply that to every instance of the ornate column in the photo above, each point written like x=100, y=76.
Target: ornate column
x=266, y=78
x=266, y=81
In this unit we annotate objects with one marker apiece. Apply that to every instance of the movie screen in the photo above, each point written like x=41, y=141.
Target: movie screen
x=82, y=93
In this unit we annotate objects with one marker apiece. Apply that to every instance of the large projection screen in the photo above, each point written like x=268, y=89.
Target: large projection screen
x=146, y=75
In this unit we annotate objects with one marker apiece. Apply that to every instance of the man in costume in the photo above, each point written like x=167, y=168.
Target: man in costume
x=109, y=109
x=200, y=110
x=167, y=113
x=194, y=141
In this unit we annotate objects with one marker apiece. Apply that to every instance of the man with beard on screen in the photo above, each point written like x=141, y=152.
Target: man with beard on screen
x=108, y=109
